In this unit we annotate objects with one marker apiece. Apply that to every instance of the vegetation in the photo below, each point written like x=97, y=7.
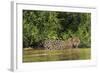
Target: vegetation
x=56, y=27
x=42, y=25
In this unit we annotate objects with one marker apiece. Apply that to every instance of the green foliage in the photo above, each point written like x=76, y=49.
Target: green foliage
x=41, y=25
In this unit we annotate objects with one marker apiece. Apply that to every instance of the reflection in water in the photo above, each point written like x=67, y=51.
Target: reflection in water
x=51, y=55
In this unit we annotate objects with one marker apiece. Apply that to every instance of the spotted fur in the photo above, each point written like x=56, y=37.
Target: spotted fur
x=60, y=44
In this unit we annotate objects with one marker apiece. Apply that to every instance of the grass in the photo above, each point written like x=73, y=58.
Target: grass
x=31, y=55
